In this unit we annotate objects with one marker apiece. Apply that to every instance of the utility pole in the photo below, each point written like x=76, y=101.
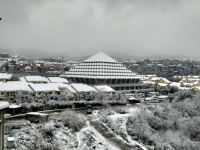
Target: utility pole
x=3, y=106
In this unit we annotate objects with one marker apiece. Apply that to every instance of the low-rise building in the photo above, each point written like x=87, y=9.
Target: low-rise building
x=15, y=90
x=45, y=91
x=105, y=92
x=84, y=91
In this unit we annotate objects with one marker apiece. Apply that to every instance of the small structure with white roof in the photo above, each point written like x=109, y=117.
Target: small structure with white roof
x=10, y=142
x=14, y=89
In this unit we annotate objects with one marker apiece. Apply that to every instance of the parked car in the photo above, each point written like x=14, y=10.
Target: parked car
x=89, y=109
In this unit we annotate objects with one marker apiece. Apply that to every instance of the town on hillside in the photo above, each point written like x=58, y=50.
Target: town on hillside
x=34, y=90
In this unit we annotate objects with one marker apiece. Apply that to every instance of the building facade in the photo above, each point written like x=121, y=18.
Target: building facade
x=101, y=69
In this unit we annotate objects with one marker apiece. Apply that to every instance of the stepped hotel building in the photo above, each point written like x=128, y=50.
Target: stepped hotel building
x=101, y=69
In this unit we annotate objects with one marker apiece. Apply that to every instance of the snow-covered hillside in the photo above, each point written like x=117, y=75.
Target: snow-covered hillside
x=55, y=136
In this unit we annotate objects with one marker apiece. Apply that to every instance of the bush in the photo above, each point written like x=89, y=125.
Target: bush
x=72, y=120
x=48, y=129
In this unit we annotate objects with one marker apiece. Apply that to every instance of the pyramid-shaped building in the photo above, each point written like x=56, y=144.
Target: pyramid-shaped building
x=101, y=69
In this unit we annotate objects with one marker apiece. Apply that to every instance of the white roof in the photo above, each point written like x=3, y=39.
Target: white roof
x=184, y=88
x=14, y=106
x=162, y=96
x=3, y=105
x=57, y=80
x=35, y=79
x=162, y=84
x=79, y=87
x=5, y=76
x=149, y=98
x=22, y=79
x=197, y=88
x=160, y=78
x=104, y=88
x=44, y=87
x=69, y=87
x=10, y=139
x=63, y=85
x=37, y=114
x=14, y=86
x=100, y=57
x=175, y=84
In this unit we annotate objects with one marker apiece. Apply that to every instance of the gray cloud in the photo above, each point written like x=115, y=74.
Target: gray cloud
x=82, y=27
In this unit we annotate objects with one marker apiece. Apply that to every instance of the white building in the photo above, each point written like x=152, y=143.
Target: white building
x=45, y=91
x=15, y=90
x=66, y=90
x=101, y=69
x=105, y=91
x=84, y=91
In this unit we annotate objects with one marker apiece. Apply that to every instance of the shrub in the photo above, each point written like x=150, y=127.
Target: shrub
x=72, y=120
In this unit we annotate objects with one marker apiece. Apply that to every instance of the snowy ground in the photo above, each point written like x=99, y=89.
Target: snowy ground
x=116, y=123
x=31, y=136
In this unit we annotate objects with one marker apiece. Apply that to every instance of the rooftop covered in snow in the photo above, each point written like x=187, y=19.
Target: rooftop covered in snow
x=100, y=57
x=35, y=79
x=13, y=86
x=5, y=76
x=79, y=87
x=57, y=80
x=104, y=88
x=48, y=87
x=3, y=105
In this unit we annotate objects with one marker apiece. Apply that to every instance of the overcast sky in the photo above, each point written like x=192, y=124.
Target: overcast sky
x=84, y=27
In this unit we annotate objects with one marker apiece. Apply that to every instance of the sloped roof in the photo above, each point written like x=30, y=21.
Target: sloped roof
x=57, y=80
x=36, y=79
x=5, y=76
x=63, y=85
x=14, y=86
x=79, y=87
x=3, y=105
x=104, y=88
x=48, y=87
x=100, y=57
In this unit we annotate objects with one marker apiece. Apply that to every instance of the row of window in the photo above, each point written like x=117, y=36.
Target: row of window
x=109, y=65
x=76, y=68
x=92, y=71
x=116, y=75
x=96, y=62
x=129, y=88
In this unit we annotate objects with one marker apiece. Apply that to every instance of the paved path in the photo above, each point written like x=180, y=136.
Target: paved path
x=112, y=137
